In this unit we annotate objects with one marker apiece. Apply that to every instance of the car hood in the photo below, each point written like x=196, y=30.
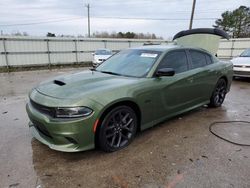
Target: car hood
x=85, y=83
x=241, y=61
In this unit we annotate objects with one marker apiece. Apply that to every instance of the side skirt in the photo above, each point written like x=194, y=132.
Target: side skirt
x=155, y=122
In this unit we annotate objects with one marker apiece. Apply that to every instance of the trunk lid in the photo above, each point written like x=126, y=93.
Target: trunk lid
x=205, y=38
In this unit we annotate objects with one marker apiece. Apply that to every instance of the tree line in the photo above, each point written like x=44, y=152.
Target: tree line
x=236, y=23
x=105, y=34
x=129, y=35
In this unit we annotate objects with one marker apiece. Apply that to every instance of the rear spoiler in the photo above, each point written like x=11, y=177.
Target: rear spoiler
x=205, y=38
x=215, y=31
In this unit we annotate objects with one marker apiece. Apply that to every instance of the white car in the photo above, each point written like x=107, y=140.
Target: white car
x=100, y=56
x=242, y=64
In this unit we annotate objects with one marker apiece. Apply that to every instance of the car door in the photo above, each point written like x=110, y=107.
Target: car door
x=204, y=75
x=175, y=93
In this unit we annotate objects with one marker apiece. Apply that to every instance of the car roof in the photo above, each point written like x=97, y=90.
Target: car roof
x=167, y=47
x=157, y=47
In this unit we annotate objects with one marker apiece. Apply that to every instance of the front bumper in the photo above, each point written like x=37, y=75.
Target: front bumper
x=96, y=63
x=242, y=72
x=62, y=134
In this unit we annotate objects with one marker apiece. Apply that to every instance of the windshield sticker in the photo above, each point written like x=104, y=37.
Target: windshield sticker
x=149, y=55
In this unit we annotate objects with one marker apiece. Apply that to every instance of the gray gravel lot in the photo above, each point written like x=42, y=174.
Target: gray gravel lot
x=180, y=152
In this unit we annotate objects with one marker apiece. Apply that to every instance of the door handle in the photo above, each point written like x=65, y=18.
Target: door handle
x=190, y=79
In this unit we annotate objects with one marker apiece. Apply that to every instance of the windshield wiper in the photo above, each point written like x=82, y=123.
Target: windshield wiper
x=108, y=72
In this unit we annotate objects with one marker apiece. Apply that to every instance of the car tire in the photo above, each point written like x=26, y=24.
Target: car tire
x=219, y=93
x=118, y=129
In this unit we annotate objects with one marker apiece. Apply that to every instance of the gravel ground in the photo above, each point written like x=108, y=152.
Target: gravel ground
x=180, y=152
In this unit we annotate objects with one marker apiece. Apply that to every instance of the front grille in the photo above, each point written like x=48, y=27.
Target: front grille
x=43, y=109
x=41, y=128
x=242, y=66
x=71, y=140
x=243, y=73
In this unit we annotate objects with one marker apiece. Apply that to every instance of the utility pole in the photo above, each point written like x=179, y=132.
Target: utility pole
x=192, y=15
x=87, y=6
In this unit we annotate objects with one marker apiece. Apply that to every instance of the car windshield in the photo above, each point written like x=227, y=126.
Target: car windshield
x=102, y=52
x=246, y=53
x=131, y=62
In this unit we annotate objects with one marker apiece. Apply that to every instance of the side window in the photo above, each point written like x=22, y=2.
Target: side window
x=176, y=60
x=198, y=59
x=209, y=60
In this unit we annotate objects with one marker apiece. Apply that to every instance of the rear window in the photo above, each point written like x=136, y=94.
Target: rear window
x=198, y=59
x=208, y=59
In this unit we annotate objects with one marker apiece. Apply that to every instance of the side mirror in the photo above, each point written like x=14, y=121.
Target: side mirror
x=165, y=72
x=93, y=53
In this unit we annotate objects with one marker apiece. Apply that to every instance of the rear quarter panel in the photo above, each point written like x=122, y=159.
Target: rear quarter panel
x=226, y=70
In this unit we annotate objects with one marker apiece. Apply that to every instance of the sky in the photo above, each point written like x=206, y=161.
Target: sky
x=69, y=17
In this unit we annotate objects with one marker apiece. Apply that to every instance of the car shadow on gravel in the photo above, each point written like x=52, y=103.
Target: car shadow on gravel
x=241, y=79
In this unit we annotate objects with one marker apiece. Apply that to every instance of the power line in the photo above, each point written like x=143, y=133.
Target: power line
x=105, y=6
x=46, y=19
x=157, y=19
x=41, y=22
x=62, y=18
x=106, y=17
x=102, y=7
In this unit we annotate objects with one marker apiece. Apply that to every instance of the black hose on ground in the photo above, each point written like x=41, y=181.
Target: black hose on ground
x=220, y=122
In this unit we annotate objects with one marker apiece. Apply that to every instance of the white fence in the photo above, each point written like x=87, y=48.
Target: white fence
x=29, y=51
x=233, y=47
x=25, y=51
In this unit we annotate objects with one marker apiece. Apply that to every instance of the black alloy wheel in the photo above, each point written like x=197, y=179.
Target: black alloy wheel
x=117, y=129
x=219, y=93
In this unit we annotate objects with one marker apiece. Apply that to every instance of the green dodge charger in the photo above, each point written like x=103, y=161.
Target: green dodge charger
x=133, y=90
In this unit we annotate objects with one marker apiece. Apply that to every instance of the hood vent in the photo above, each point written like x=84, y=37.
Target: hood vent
x=60, y=83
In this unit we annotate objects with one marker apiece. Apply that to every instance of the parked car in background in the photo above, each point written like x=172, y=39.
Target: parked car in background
x=100, y=55
x=131, y=91
x=242, y=64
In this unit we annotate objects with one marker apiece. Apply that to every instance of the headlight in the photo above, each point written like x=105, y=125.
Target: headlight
x=73, y=112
